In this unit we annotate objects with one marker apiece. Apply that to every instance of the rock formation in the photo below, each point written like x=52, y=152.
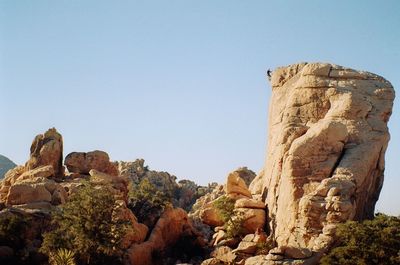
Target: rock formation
x=47, y=149
x=184, y=193
x=5, y=165
x=33, y=186
x=82, y=163
x=325, y=160
x=172, y=225
x=38, y=187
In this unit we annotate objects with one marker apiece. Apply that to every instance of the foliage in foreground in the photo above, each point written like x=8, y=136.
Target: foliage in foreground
x=85, y=226
x=374, y=241
x=62, y=257
x=233, y=221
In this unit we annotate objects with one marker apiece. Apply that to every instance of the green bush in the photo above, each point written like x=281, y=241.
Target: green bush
x=85, y=226
x=62, y=257
x=233, y=221
x=12, y=230
x=147, y=202
x=374, y=241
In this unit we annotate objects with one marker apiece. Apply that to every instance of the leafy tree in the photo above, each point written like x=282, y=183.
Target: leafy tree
x=147, y=202
x=374, y=241
x=233, y=221
x=85, y=225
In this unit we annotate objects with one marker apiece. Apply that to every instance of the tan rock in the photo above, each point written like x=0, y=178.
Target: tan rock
x=43, y=206
x=246, y=247
x=274, y=257
x=172, y=225
x=249, y=203
x=136, y=232
x=12, y=175
x=26, y=193
x=224, y=254
x=212, y=261
x=40, y=172
x=297, y=253
x=258, y=260
x=211, y=217
x=47, y=149
x=82, y=163
x=99, y=177
x=236, y=185
x=253, y=219
x=325, y=160
x=218, y=237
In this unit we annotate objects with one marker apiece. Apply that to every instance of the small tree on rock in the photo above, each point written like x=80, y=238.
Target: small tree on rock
x=233, y=220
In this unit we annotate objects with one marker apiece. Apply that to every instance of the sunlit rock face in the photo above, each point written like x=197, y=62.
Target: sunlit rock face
x=326, y=145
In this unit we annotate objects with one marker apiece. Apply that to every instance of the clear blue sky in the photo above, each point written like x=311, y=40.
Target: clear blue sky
x=178, y=83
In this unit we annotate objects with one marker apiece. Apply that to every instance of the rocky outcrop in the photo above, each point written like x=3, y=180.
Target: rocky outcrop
x=235, y=188
x=172, y=225
x=325, y=160
x=34, y=185
x=47, y=150
x=5, y=165
x=82, y=163
x=183, y=193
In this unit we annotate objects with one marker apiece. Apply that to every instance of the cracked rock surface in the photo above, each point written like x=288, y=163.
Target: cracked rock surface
x=325, y=160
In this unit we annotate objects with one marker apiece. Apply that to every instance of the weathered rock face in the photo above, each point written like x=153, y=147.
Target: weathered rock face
x=172, y=225
x=325, y=160
x=33, y=185
x=47, y=149
x=82, y=163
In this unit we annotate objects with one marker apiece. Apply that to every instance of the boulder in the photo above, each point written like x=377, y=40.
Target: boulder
x=236, y=186
x=297, y=253
x=212, y=261
x=47, y=149
x=40, y=172
x=136, y=232
x=82, y=163
x=253, y=219
x=246, y=247
x=27, y=193
x=211, y=217
x=249, y=203
x=325, y=160
x=172, y=225
x=224, y=254
x=258, y=260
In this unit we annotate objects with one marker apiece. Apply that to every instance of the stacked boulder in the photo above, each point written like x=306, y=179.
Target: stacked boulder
x=35, y=185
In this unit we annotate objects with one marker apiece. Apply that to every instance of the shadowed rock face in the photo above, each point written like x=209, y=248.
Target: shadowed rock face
x=326, y=143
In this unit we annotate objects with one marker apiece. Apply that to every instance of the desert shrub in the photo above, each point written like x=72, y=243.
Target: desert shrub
x=12, y=230
x=85, y=226
x=233, y=221
x=374, y=241
x=62, y=257
x=147, y=202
